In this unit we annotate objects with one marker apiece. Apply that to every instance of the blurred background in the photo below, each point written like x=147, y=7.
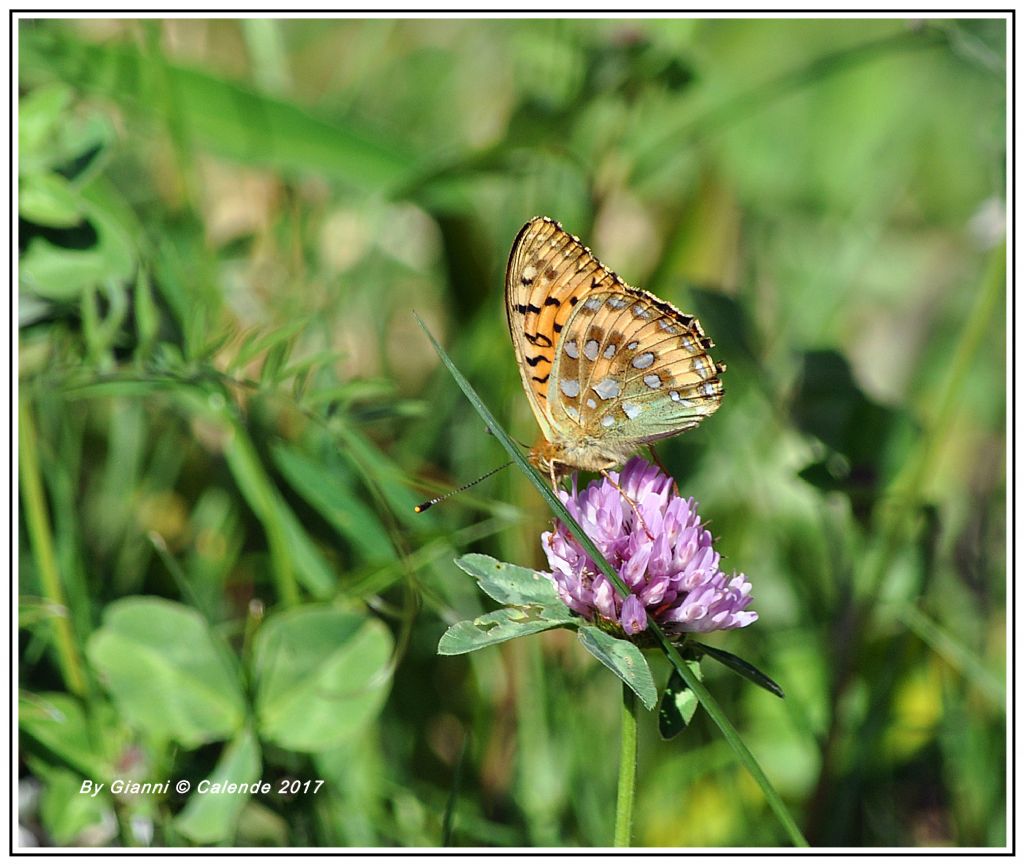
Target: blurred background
x=227, y=413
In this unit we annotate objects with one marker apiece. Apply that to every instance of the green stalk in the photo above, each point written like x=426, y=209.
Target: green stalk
x=37, y=522
x=262, y=497
x=975, y=330
x=907, y=489
x=706, y=700
x=627, y=769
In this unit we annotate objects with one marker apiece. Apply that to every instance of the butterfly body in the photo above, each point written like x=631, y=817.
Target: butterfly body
x=607, y=367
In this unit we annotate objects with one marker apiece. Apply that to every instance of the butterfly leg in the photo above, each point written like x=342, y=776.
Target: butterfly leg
x=630, y=501
x=661, y=465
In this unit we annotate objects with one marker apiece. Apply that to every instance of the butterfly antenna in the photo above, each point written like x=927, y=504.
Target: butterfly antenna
x=422, y=507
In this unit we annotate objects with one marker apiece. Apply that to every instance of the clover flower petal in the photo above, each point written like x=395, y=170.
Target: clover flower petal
x=659, y=548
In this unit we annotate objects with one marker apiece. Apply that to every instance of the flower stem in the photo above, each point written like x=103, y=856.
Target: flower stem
x=627, y=770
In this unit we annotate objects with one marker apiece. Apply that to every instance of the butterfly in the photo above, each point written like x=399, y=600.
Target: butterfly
x=607, y=367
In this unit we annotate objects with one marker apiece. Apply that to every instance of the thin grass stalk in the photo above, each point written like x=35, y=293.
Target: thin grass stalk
x=897, y=519
x=37, y=522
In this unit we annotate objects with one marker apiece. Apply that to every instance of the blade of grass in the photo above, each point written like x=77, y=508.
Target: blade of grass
x=703, y=695
x=230, y=119
x=955, y=653
x=448, y=822
x=38, y=525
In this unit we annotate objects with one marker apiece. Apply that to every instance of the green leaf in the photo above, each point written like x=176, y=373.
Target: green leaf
x=510, y=584
x=321, y=676
x=58, y=273
x=293, y=554
x=501, y=625
x=678, y=703
x=256, y=343
x=212, y=817
x=831, y=406
x=56, y=727
x=378, y=472
x=745, y=669
x=238, y=123
x=624, y=659
x=954, y=652
x=39, y=114
x=160, y=663
x=65, y=811
x=331, y=493
x=147, y=316
x=311, y=569
x=51, y=135
x=48, y=199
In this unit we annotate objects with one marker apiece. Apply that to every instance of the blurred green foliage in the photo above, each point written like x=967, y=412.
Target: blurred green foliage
x=227, y=413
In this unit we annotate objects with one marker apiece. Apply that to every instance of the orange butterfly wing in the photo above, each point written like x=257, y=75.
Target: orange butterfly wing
x=549, y=272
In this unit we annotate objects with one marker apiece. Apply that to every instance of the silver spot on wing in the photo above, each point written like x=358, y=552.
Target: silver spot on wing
x=642, y=361
x=608, y=388
x=570, y=387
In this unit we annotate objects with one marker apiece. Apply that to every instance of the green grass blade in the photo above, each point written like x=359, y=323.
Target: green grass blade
x=516, y=454
x=703, y=695
x=44, y=552
x=954, y=653
x=236, y=122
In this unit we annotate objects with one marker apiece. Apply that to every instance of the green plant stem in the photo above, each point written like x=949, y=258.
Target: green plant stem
x=38, y=524
x=627, y=769
x=703, y=695
x=975, y=331
x=897, y=513
x=263, y=498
